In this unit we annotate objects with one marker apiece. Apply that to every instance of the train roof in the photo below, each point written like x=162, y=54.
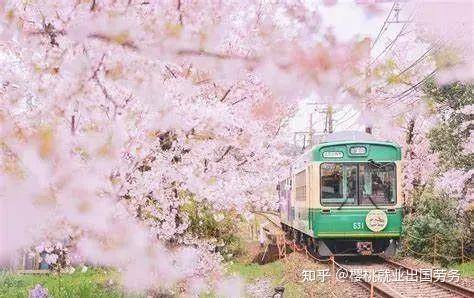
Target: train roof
x=350, y=135
x=375, y=148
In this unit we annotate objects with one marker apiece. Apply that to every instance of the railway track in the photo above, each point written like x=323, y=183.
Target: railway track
x=419, y=285
x=443, y=287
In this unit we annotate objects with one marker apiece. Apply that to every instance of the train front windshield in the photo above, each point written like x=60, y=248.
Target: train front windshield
x=358, y=184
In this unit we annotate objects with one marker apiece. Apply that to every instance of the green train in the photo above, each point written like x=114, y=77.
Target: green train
x=343, y=196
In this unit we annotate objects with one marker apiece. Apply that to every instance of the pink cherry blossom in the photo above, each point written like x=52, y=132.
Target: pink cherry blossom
x=453, y=182
x=115, y=115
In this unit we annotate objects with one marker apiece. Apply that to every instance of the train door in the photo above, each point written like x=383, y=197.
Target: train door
x=309, y=185
x=288, y=198
x=284, y=198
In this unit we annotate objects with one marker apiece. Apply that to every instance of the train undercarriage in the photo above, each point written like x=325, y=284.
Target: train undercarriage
x=342, y=247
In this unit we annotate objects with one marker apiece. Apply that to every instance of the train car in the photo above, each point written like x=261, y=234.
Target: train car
x=343, y=196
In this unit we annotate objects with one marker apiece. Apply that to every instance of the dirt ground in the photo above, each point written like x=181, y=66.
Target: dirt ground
x=288, y=272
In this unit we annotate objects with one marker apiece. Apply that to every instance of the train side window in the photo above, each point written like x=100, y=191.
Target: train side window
x=338, y=183
x=300, y=186
x=288, y=184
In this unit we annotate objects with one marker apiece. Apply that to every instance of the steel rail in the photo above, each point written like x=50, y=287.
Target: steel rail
x=385, y=290
x=449, y=286
x=370, y=286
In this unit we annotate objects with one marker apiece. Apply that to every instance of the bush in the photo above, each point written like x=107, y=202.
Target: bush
x=433, y=232
x=220, y=226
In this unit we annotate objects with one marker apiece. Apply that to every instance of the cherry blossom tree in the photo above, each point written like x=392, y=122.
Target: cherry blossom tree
x=410, y=94
x=393, y=95
x=116, y=114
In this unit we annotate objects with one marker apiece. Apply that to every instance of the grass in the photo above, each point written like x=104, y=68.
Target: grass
x=96, y=281
x=93, y=283
x=465, y=269
x=274, y=271
x=251, y=272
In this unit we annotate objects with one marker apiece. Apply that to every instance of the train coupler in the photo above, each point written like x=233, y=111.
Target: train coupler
x=364, y=248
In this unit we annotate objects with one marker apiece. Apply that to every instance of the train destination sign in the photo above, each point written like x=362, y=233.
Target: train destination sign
x=359, y=150
x=333, y=154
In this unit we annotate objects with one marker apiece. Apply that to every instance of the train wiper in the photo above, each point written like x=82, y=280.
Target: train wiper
x=378, y=164
x=343, y=203
x=372, y=201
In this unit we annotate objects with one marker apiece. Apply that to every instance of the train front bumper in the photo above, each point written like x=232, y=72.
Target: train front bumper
x=350, y=223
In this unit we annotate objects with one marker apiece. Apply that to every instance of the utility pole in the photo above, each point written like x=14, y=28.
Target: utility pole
x=307, y=134
x=329, y=125
x=330, y=119
x=396, y=18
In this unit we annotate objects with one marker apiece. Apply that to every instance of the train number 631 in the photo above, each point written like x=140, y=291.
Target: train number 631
x=357, y=225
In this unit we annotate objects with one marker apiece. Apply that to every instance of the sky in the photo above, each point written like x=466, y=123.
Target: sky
x=348, y=20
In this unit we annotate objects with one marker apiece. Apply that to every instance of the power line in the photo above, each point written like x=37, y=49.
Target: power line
x=349, y=118
x=405, y=25
x=383, y=26
x=343, y=116
x=416, y=61
x=422, y=57
x=390, y=45
x=397, y=14
x=407, y=92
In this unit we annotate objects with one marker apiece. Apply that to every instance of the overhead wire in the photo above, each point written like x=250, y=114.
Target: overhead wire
x=383, y=26
x=399, y=97
x=349, y=118
x=407, y=92
x=421, y=58
x=386, y=48
x=342, y=117
x=381, y=31
x=390, y=45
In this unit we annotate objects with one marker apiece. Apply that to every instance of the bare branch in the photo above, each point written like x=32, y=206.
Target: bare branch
x=51, y=32
x=242, y=163
x=215, y=55
x=180, y=13
x=171, y=71
x=226, y=93
x=73, y=124
x=227, y=150
x=127, y=44
x=236, y=102
x=99, y=65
